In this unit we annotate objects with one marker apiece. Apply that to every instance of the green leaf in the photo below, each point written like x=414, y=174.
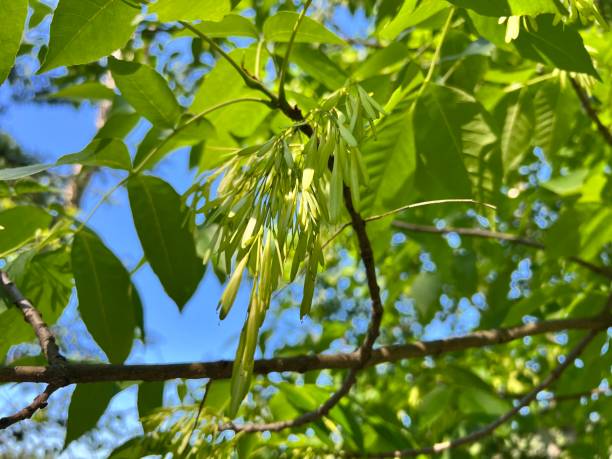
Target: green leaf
x=19, y=225
x=150, y=397
x=426, y=290
x=46, y=280
x=15, y=173
x=516, y=118
x=315, y=63
x=389, y=59
x=147, y=91
x=390, y=160
x=559, y=45
x=474, y=400
x=555, y=106
x=232, y=25
x=134, y=448
x=567, y=185
x=192, y=134
x=120, y=122
x=188, y=10
x=101, y=152
x=279, y=28
x=509, y=7
x=596, y=233
x=563, y=237
x=40, y=11
x=88, y=404
x=409, y=16
x=83, y=32
x=168, y=244
x=224, y=83
x=217, y=396
x=91, y=90
x=12, y=21
x=107, y=299
x=452, y=137
x=434, y=404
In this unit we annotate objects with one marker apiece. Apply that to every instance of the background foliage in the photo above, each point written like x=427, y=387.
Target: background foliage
x=286, y=117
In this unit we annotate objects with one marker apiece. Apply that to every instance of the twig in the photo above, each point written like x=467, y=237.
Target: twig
x=491, y=427
x=407, y=207
x=78, y=373
x=436, y=56
x=285, y=64
x=33, y=316
x=249, y=79
x=486, y=234
x=39, y=403
x=590, y=111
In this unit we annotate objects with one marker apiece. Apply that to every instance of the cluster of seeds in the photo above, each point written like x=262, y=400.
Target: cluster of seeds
x=273, y=200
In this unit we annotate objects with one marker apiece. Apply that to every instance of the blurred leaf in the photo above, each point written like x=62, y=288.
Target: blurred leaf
x=19, y=225
x=85, y=91
x=411, y=15
x=509, y=7
x=187, y=10
x=232, y=25
x=217, y=396
x=426, y=290
x=150, y=397
x=278, y=28
x=516, y=118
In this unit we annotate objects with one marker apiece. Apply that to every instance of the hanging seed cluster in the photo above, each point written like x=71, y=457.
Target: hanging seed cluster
x=273, y=201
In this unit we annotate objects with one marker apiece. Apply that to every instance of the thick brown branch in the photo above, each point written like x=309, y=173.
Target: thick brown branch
x=89, y=373
x=590, y=111
x=491, y=427
x=38, y=403
x=34, y=318
x=486, y=234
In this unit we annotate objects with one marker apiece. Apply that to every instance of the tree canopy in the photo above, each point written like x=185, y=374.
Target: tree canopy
x=420, y=188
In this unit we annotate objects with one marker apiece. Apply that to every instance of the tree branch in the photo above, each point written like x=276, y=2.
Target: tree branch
x=38, y=403
x=486, y=234
x=77, y=373
x=590, y=111
x=285, y=65
x=34, y=318
x=491, y=427
x=249, y=79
